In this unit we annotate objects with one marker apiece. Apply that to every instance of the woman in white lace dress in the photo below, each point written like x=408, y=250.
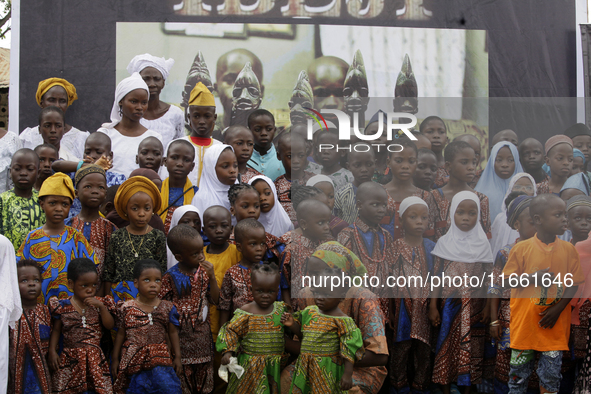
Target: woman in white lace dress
x=9, y=144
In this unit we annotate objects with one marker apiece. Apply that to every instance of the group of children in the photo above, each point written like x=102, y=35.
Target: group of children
x=152, y=273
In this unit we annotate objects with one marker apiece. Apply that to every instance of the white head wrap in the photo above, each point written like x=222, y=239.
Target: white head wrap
x=129, y=84
x=319, y=178
x=177, y=215
x=276, y=221
x=408, y=201
x=211, y=191
x=10, y=296
x=139, y=62
x=464, y=246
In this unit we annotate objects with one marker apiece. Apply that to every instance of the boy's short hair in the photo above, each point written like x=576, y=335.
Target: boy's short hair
x=453, y=148
x=305, y=207
x=51, y=109
x=48, y=146
x=234, y=129
x=79, y=267
x=425, y=151
x=178, y=235
x=145, y=264
x=23, y=263
x=322, y=132
x=245, y=225
x=259, y=112
x=148, y=139
x=430, y=118
x=102, y=137
x=540, y=202
x=26, y=151
x=182, y=142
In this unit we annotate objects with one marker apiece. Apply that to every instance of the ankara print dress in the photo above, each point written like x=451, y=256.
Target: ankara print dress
x=83, y=366
x=327, y=342
x=29, y=342
x=259, y=344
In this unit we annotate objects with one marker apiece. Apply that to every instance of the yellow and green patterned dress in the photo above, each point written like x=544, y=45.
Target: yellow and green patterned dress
x=327, y=342
x=258, y=341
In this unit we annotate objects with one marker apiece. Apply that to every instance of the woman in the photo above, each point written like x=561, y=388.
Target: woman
x=165, y=119
x=60, y=93
x=125, y=130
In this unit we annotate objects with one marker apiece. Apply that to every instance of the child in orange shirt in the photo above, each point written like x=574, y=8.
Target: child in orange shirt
x=540, y=319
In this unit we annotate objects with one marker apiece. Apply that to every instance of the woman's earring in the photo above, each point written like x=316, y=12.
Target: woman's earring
x=120, y=111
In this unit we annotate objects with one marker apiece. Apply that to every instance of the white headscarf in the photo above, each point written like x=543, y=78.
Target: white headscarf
x=10, y=296
x=129, y=84
x=502, y=234
x=276, y=221
x=177, y=215
x=211, y=191
x=408, y=201
x=319, y=178
x=461, y=246
x=139, y=62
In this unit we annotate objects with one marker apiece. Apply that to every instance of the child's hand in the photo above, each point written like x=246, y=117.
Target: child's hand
x=104, y=162
x=208, y=267
x=551, y=315
x=541, y=274
x=54, y=361
x=287, y=319
x=346, y=382
x=93, y=301
x=226, y=358
x=434, y=317
x=178, y=366
x=114, y=368
x=495, y=332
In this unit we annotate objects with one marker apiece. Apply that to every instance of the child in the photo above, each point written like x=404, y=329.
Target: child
x=411, y=328
x=177, y=190
x=519, y=220
x=150, y=154
x=20, y=211
x=291, y=150
x=236, y=287
x=191, y=286
x=581, y=137
x=331, y=342
x=327, y=155
x=475, y=144
x=273, y=217
x=51, y=127
x=80, y=318
x=264, y=158
x=544, y=319
x=424, y=175
x=189, y=215
x=433, y=127
x=54, y=244
x=217, y=226
x=47, y=155
x=220, y=172
x=458, y=353
x=362, y=166
x=326, y=186
x=402, y=166
x=505, y=135
x=256, y=335
x=141, y=359
x=9, y=144
x=135, y=202
x=29, y=339
x=460, y=162
x=108, y=204
x=559, y=157
x=91, y=190
x=531, y=156
x=578, y=210
x=241, y=140
x=503, y=164
x=578, y=162
x=575, y=185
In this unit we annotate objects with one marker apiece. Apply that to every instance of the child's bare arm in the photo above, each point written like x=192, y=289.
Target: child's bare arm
x=107, y=288
x=434, y=316
x=551, y=314
x=173, y=334
x=347, y=379
x=286, y=296
x=214, y=289
x=288, y=321
x=54, y=359
x=106, y=317
x=119, y=339
x=224, y=317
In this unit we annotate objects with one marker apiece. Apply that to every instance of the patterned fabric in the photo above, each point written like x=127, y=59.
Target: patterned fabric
x=544, y=187
x=275, y=246
x=83, y=366
x=441, y=178
x=283, y=186
x=344, y=203
x=145, y=348
x=54, y=254
x=341, y=178
x=403, y=355
x=336, y=255
x=29, y=342
x=314, y=168
x=337, y=225
x=476, y=178
x=236, y=289
x=190, y=295
x=19, y=216
x=293, y=262
x=583, y=383
x=9, y=144
x=248, y=175
x=121, y=259
x=439, y=213
x=392, y=222
x=327, y=343
x=259, y=343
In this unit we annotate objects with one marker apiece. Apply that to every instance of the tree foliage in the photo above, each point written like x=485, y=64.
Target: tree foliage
x=5, y=13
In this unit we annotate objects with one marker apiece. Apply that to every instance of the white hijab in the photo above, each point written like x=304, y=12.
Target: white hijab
x=139, y=62
x=461, y=246
x=319, y=178
x=502, y=234
x=177, y=215
x=10, y=296
x=276, y=221
x=129, y=84
x=211, y=191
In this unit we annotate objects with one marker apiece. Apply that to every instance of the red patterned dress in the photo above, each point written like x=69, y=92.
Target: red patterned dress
x=293, y=263
x=236, y=289
x=283, y=186
x=441, y=178
x=248, y=175
x=145, y=358
x=190, y=295
x=29, y=342
x=83, y=366
x=439, y=213
x=392, y=222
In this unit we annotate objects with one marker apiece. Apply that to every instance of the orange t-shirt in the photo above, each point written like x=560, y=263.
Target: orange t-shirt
x=527, y=303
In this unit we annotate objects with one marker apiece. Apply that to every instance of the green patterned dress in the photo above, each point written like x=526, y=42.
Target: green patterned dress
x=19, y=216
x=327, y=342
x=258, y=341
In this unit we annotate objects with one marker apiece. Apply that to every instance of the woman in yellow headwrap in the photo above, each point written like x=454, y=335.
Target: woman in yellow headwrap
x=54, y=245
x=137, y=200
x=59, y=93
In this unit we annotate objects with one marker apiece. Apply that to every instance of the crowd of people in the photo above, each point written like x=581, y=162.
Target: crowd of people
x=146, y=258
